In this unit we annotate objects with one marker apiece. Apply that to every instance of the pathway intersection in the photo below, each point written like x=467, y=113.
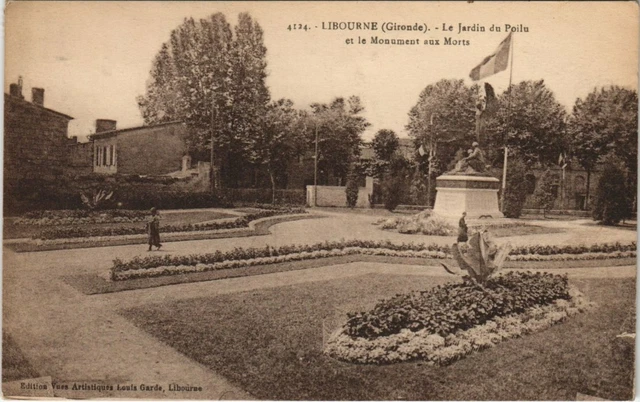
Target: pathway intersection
x=73, y=337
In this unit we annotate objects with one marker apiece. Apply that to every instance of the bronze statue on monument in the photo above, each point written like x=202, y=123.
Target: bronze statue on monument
x=472, y=165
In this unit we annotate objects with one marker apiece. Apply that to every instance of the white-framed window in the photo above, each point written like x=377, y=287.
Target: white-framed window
x=98, y=156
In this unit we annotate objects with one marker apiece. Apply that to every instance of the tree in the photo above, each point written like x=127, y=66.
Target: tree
x=384, y=144
x=606, y=120
x=249, y=92
x=352, y=188
x=533, y=121
x=611, y=204
x=278, y=142
x=442, y=122
x=396, y=182
x=544, y=194
x=340, y=126
x=444, y=117
x=517, y=188
x=214, y=81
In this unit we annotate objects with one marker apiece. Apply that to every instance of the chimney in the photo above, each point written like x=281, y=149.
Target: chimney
x=37, y=96
x=15, y=90
x=103, y=125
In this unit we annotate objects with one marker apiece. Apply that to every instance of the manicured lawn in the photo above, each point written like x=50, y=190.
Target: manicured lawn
x=12, y=231
x=523, y=230
x=269, y=342
x=14, y=365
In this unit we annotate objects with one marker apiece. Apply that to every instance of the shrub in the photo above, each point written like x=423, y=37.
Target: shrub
x=352, y=189
x=435, y=226
x=152, y=196
x=391, y=192
x=544, y=194
x=517, y=187
x=446, y=309
x=264, y=196
x=611, y=204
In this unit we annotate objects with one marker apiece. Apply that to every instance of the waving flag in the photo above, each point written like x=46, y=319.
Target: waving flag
x=494, y=63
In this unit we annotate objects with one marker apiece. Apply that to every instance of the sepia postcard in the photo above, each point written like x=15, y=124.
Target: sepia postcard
x=320, y=200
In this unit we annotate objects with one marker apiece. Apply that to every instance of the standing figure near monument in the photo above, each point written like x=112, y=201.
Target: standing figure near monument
x=153, y=229
x=462, y=229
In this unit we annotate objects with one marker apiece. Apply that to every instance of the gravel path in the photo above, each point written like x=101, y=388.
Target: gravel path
x=73, y=337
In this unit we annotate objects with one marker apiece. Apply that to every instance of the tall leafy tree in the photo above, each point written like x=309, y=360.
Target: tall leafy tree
x=444, y=117
x=531, y=121
x=606, y=121
x=278, y=142
x=215, y=82
x=339, y=125
x=249, y=92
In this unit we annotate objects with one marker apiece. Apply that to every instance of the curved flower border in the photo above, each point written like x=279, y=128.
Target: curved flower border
x=118, y=274
x=71, y=240
x=435, y=349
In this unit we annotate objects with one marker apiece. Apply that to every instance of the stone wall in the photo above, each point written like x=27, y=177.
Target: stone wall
x=336, y=196
x=80, y=157
x=35, y=141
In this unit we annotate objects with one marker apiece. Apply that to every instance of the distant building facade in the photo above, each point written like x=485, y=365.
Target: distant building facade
x=569, y=187
x=35, y=138
x=80, y=157
x=147, y=150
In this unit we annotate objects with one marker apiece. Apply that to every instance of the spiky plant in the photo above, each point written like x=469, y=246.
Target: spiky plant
x=482, y=259
x=98, y=198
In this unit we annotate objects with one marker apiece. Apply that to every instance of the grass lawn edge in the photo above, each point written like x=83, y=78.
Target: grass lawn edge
x=91, y=284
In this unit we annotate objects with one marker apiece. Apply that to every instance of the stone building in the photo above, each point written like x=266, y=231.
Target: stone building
x=80, y=157
x=35, y=138
x=569, y=186
x=147, y=150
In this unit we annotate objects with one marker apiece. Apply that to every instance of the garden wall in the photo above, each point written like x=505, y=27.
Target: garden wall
x=336, y=196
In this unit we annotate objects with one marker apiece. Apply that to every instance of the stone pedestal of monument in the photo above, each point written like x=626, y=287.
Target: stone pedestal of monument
x=475, y=195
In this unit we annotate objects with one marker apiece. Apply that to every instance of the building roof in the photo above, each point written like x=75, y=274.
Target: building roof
x=112, y=133
x=405, y=146
x=24, y=102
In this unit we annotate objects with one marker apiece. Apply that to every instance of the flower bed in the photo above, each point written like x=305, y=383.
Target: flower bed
x=153, y=266
x=80, y=217
x=173, y=265
x=578, y=249
x=82, y=232
x=420, y=223
x=451, y=321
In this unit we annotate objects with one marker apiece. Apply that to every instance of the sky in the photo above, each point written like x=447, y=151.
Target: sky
x=93, y=58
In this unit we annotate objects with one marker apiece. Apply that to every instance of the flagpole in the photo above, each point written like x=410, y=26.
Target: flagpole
x=506, y=135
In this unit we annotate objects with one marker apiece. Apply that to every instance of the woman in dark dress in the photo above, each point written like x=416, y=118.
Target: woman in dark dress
x=153, y=229
x=462, y=229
